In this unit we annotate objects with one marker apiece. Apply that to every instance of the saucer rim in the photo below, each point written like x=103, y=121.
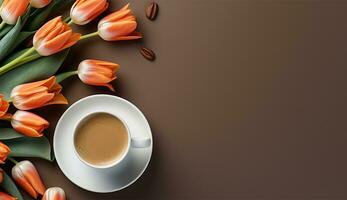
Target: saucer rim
x=105, y=96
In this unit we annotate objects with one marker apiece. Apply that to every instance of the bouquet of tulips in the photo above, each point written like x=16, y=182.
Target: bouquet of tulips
x=34, y=41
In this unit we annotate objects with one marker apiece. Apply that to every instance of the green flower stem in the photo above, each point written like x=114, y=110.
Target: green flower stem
x=14, y=63
x=70, y=22
x=29, y=58
x=89, y=35
x=12, y=160
x=65, y=75
x=2, y=25
x=67, y=19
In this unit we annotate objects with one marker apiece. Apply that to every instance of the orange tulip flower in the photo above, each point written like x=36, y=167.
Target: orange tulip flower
x=3, y=107
x=1, y=175
x=28, y=123
x=25, y=175
x=54, y=193
x=53, y=37
x=97, y=72
x=119, y=25
x=11, y=10
x=4, y=151
x=39, y=3
x=37, y=94
x=4, y=196
x=84, y=11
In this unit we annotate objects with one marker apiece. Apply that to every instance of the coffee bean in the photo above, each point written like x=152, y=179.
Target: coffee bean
x=147, y=53
x=152, y=11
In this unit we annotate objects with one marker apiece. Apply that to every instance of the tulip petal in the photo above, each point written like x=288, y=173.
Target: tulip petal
x=54, y=36
x=105, y=64
x=34, y=179
x=28, y=86
x=54, y=45
x=32, y=102
x=29, y=124
x=58, y=99
x=109, y=87
x=26, y=186
x=133, y=36
x=6, y=116
x=59, y=28
x=116, y=16
x=83, y=12
x=26, y=175
x=116, y=30
x=30, y=91
x=98, y=80
x=97, y=72
x=30, y=119
x=26, y=130
x=125, y=7
x=123, y=12
x=73, y=40
x=11, y=10
x=39, y=3
x=106, y=70
x=4, y=196
x=54, y=193
x=45, y=29
x=4, y=105
x=37, y=94
x=4, y=151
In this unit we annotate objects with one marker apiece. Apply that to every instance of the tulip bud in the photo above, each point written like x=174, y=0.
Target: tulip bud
x=37, y=94
x=119, y=25
x=4, y=151
x=25, y=175
x=97, y=72
x=28, y=123
x=54, y=193
x=39, y=3
x=4, y=196
x=11, y=10
x=3, y=106
x=84, y=11
x=53, y=37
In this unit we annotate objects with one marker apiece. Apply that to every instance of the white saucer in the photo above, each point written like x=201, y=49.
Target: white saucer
x=102, y=180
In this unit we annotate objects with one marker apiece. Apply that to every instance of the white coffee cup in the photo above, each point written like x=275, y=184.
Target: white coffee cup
x=133, y=142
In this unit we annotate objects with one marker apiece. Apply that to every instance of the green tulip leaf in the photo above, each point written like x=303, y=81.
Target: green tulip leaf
x=40, y=16
x=8, y=41
x=21, y=38
x=30, y=147
x=5, y=30
x=36, y=70
x=10, y=187
x=13, y=56
x=61, y=5
x=9, y=134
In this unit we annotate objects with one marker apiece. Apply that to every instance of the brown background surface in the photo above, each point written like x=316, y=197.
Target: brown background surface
x=247, y=99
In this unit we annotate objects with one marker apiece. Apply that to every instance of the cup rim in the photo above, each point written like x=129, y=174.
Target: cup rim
x=116, y=162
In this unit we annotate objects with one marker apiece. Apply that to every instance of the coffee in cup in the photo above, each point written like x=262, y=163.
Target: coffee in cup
x=101, y=139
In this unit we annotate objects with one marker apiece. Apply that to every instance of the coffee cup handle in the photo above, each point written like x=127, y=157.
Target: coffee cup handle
x=140, y=142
